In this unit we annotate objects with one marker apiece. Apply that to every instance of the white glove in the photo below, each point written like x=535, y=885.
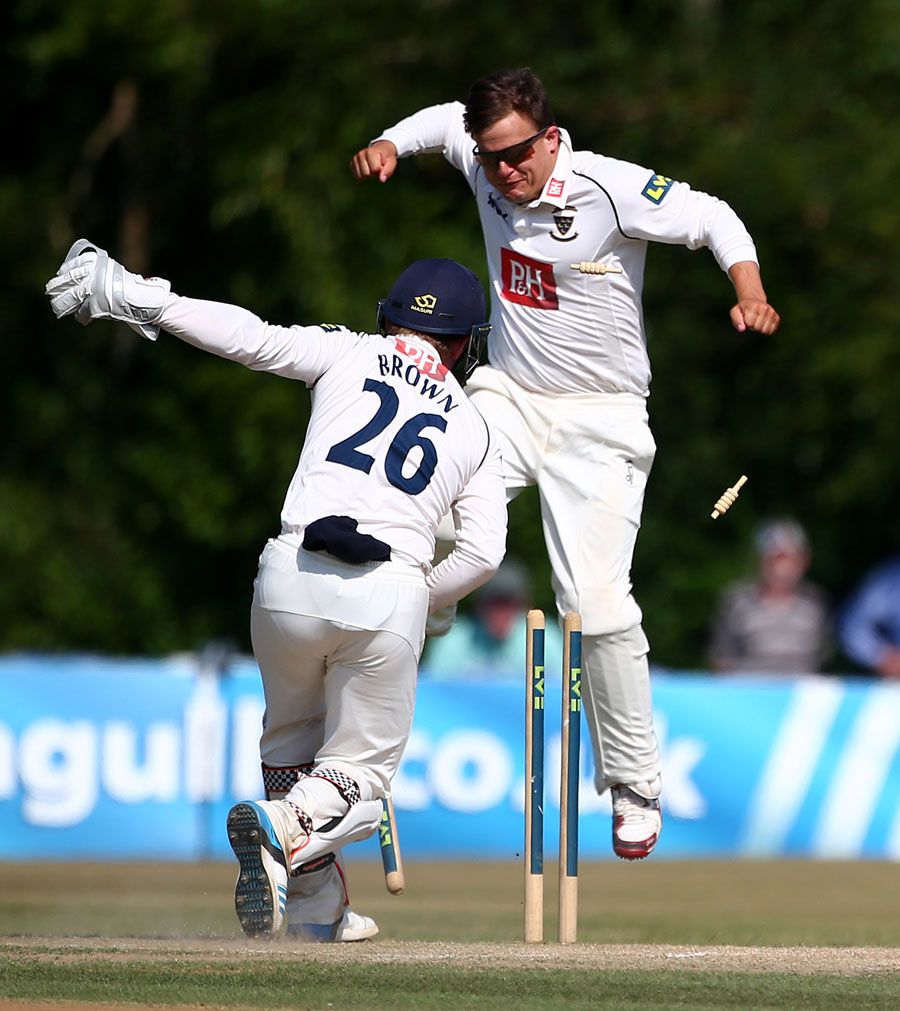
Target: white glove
x=93, y=286
x=440, y=622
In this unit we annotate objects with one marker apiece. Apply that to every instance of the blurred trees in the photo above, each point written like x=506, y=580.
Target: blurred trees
x=210, y=144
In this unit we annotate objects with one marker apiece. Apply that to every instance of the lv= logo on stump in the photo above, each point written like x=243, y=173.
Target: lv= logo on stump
x=570, y=727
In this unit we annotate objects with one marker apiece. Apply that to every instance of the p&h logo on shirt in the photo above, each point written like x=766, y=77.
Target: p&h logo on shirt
x=527, y=281
x=424, y=303
x=428, y=363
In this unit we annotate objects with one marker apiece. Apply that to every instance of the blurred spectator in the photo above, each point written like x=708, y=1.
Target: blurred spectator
x=490, y=642
x=777, y=623
x=869, y=627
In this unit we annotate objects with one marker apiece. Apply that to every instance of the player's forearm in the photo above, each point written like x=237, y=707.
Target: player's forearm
x=481, y=541
x=747, y=281
x=429, y=130
x=225, y=330
x=462, y=571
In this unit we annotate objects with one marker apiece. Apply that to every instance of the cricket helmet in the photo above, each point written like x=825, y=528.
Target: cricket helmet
x=443, y=299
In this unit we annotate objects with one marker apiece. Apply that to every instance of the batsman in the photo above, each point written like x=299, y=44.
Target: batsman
x=342, y=593
x=566, y=234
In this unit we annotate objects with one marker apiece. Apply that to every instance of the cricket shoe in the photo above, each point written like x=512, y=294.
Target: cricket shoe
x=260, y=837
x=637, y=823
x=273, y=839
x=350, y=927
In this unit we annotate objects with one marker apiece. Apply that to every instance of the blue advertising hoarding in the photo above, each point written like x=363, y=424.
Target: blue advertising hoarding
x=142, y=759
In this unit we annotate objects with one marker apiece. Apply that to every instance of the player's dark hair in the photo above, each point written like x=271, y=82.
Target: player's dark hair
x=494, y=97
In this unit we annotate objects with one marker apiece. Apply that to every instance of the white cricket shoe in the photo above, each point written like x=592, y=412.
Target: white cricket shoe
x=350, y=927
x=260, y=835
x=355, y=927
x=637, y=823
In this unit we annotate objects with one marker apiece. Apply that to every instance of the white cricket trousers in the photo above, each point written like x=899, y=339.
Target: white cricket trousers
x=338, y=647
x=590, y=456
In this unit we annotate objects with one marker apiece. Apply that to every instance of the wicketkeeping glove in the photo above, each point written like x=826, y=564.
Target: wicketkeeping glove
x=93, y=286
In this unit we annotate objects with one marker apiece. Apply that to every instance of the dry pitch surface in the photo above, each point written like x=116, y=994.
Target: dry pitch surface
x=800, y=961
x=843, y=961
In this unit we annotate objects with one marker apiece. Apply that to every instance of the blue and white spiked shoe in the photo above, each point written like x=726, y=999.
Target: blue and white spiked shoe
x=261, y=842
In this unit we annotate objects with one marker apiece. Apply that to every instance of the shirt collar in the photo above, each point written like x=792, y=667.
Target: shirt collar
x=556, y=189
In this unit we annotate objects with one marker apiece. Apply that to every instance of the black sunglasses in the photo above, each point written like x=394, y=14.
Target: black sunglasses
x=512, y=155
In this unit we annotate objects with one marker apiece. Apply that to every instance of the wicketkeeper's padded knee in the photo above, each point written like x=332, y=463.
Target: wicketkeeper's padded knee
x=347, y=787
x=358, y=823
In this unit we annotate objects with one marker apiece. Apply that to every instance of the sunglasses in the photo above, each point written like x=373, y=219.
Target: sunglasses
x=512, y=155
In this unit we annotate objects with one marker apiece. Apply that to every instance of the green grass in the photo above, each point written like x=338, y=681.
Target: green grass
x=669, y=903
x=245, y=984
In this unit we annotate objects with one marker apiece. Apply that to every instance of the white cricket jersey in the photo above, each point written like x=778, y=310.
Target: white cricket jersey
x=556, y=329
x=393, y=441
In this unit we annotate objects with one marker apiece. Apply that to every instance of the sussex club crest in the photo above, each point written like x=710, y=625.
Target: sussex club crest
x=564, y=220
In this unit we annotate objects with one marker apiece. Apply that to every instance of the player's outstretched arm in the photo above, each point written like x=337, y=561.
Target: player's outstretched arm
x=92, y=285
x=752, y=310
x=378, y=160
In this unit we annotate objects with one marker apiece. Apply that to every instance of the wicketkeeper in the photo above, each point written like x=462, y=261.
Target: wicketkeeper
x=342, y=594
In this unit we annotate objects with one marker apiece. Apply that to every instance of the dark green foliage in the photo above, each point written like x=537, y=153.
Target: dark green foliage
x=210, y=144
